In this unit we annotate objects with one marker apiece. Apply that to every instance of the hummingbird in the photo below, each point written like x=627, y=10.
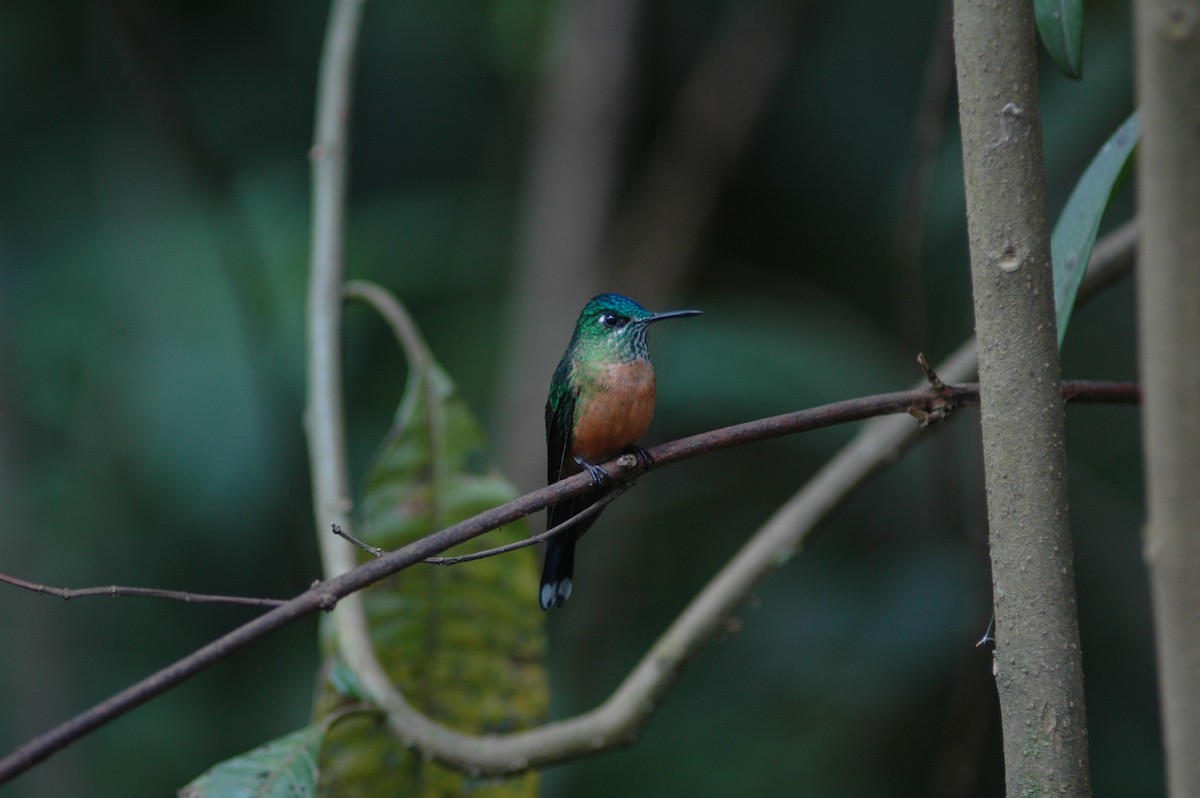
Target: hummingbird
x=600, y=404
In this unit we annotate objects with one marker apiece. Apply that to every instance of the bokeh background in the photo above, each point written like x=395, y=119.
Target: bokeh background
x=791, y=168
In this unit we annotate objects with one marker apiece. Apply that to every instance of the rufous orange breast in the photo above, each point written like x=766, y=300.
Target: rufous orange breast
x=615, y=412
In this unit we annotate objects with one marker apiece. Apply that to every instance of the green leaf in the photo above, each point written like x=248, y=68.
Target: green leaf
x=1060, y=24
x=465, y=643
x=283, y=768
x=1075, y=233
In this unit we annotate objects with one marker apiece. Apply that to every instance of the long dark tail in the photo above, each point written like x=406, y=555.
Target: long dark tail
x=560, y=550
x=556, y=574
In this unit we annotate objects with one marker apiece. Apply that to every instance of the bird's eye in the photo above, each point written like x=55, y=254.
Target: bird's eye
x=610, y=320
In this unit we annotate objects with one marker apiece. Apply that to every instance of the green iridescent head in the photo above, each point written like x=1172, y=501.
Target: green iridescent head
x=615, y=326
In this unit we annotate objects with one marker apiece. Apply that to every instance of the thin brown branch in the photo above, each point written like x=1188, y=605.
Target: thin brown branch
x=611, y=724
x=374, y=551
x=935, y=381
x=67, y=593
x=587, y=512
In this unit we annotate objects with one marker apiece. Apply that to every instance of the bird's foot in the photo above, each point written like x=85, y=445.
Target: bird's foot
x=599, y=475
x=635, y=456
x=644, y=457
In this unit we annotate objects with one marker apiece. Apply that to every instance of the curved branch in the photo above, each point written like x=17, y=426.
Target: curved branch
x=617, y=720
x=353, y=632
x=389, y=308
x=324, y=418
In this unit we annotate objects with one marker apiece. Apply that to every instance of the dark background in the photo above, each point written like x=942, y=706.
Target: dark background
x=154, y=212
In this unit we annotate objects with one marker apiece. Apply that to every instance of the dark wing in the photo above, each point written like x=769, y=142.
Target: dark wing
x=560, y=416
x=560, y=421
x=560, y=551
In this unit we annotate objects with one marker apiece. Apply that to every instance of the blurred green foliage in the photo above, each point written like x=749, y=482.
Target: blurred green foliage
x=153, y=254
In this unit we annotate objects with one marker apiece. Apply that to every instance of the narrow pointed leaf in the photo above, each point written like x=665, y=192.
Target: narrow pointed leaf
x=283, y=768
x=1060, y=26
x=1075, y=233
x=465, y=644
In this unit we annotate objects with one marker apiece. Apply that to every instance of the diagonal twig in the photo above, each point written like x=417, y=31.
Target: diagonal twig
x=582, y=515
x=67, y=593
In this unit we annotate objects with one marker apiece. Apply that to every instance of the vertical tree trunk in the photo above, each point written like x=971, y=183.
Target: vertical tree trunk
x=1168, y=185
x=1037, y=664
